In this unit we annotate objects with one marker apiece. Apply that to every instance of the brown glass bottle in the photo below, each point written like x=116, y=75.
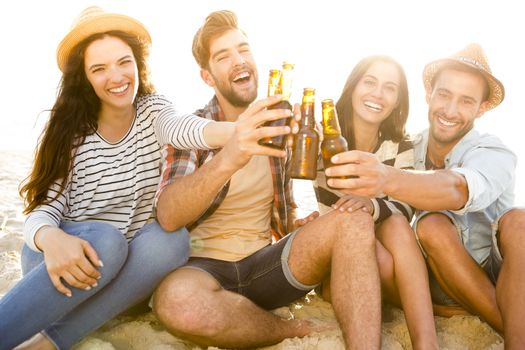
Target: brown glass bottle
x=285, y=89
x=333, y=142
x=306, y=142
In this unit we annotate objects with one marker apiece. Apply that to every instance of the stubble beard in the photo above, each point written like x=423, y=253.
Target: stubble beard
x=445, y=140
x=237, y=99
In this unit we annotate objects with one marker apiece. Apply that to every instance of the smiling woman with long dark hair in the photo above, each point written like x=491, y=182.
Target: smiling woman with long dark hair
x=93, y=247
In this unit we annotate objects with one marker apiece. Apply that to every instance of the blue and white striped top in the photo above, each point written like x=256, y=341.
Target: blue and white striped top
x=116, y=182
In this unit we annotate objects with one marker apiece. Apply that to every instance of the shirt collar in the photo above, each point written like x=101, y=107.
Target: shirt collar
x=421, y=144
x=213, y=110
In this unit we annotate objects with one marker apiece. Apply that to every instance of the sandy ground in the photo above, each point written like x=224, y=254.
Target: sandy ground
x=144, y=332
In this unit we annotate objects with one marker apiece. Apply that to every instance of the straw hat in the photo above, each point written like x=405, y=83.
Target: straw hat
x=94, y=20
x=474, y=57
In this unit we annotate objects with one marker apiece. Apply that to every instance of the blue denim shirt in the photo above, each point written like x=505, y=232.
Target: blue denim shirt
x=489, y=168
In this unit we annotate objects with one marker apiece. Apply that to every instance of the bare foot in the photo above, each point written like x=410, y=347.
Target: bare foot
x=36, y=342
x=310, y=326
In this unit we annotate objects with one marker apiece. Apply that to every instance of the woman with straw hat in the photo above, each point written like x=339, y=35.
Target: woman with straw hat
x=92, y=247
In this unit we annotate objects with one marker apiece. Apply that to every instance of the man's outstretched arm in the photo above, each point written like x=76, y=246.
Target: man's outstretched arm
x=427, y=190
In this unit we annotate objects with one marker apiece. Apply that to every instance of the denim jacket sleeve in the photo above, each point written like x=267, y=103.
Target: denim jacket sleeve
x=488, y=167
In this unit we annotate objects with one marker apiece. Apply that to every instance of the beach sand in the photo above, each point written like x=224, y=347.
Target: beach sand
x=144, y=332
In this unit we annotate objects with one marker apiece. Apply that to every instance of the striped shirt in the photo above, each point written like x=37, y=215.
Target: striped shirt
x=116, y=182
x=399, y=155
x=178, y=163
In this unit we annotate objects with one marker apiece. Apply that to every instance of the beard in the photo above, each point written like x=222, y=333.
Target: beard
x=236, y=97
x=447, y=139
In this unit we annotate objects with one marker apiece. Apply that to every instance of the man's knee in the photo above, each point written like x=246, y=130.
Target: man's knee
x=357, y=226
x=178, y=304
x=436, y=231
x=511, y=228
x=513, y=221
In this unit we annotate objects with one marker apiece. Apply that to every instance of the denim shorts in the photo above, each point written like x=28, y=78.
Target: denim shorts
x=491, y=265
x=263, y=277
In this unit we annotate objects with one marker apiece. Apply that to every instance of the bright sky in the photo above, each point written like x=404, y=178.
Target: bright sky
x=325, y=39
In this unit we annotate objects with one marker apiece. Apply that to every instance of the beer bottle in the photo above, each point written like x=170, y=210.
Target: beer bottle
x=306, y=142
x=285, y=89
x=273, y=82
x=333, y=142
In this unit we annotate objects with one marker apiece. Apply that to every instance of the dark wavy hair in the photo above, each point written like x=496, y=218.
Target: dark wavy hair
x=393, y=127
x=73, y=117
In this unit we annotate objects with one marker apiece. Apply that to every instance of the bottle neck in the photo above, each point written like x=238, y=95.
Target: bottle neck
x=273, y=82
x=331, y=125
x=285, y=84
x=272, y=91
x=307, y=115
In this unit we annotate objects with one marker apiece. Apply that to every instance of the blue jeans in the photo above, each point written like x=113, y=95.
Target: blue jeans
x=130, y=274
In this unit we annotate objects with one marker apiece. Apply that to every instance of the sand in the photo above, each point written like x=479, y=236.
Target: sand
x=144, y=332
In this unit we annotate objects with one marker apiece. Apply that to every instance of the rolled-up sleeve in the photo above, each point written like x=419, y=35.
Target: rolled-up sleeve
x=489, y=171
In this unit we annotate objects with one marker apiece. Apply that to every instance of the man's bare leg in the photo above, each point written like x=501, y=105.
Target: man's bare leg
x=191, y=304
x=456, y=272
x=386, y=274
x=343, y=244
x=510, y=287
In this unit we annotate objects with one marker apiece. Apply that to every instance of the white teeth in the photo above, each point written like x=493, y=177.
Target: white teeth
x=374, y=106
x=446, y=123
x=241, y=76
x=119, y=89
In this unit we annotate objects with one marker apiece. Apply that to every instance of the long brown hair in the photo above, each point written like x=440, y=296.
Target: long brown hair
x=73, y=117
x=393, y=127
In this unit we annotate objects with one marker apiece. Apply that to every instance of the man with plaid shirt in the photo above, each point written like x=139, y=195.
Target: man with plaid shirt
x=232, y=200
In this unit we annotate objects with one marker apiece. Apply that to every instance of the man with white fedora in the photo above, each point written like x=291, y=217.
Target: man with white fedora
x=467, y=228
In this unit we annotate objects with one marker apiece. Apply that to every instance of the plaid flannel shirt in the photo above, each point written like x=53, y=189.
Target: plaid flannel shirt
x=177, y=163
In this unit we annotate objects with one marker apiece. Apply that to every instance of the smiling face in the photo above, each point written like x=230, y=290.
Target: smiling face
x=455, y=102
x=111, y=70
x=231, y=70
x=376, y=93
